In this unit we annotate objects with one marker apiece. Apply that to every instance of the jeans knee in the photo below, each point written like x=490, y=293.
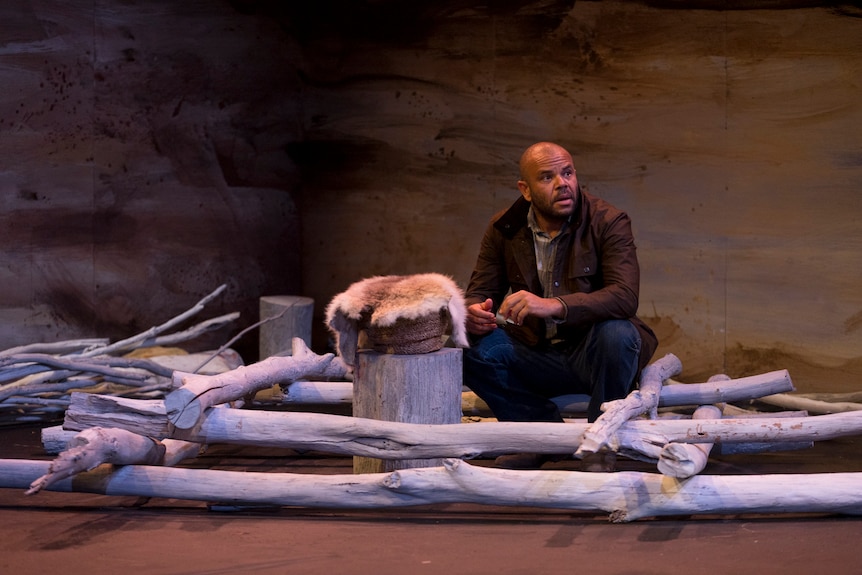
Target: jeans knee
x=616, y=335
x=496, y=347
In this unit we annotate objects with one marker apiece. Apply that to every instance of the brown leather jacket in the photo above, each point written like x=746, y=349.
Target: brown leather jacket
x=596, y=273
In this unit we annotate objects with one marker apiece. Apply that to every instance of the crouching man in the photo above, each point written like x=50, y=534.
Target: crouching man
x=552, y=301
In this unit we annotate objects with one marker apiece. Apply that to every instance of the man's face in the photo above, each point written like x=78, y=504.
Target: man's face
x=550, y=184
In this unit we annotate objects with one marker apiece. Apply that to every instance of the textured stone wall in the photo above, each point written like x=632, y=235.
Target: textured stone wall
x=731, y=137
x=154, y=150
x=144, y=164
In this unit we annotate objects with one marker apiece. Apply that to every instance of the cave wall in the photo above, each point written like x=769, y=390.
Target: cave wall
x=732, y=137
x=154, y=150
x=144, y=165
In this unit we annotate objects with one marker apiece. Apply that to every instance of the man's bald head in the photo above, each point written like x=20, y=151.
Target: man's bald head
x=536, y=151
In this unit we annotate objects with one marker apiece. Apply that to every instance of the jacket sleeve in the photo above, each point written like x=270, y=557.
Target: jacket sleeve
x=489, y=278
x=610, y=276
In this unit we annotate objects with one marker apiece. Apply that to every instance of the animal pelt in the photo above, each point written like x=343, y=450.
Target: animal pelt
x=382, y=300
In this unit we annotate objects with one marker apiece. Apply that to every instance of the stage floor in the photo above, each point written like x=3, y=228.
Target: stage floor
x=70, y=533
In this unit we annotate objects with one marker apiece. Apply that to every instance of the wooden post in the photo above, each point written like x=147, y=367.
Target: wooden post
x=421, y=388
x=276, y=335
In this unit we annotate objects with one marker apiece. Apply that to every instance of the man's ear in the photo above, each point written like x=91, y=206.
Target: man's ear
x=525, y=190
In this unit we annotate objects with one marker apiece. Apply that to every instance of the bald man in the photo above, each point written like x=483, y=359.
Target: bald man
x=552, y=301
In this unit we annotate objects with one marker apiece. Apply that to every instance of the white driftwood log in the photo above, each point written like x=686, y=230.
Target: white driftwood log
x=97, y=445
x=722, y=389
x=639, y=445
x=643, y=400
x=626, y=496
x=142, y=416
x=90, y=364
x=317, y=393
x=55, y=440
x=58, y=347
x=787, y=401
x=393, y=440
x=196, y=393
x=196, y=330
x=730, y=412
x=683, y=460
x=763, y=386
x=850, y=397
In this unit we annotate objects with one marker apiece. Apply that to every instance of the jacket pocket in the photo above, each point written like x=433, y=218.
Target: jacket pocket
x=584, y=273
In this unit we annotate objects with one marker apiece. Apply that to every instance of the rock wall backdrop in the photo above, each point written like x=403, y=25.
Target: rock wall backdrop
x=154, y=150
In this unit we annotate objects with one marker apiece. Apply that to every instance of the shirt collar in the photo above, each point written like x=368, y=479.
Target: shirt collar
x=534, y=225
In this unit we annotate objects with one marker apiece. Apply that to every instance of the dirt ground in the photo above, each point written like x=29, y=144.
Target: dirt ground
x=96, y=534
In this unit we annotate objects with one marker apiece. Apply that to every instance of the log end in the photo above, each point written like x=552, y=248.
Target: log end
x=619, y=516
x=183, y=409
x=39, y=484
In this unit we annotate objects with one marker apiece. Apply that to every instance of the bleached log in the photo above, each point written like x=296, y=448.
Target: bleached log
x=728, y=448
x=192, y=332
x=649, y=447
x=643, y=400
x=60, y=403
x=58, y=347
x=393, y=440
x=786, y=401
x=722, y=389
x=196, y=393
x=139, y=371
x=744, y=388
x=851, y=397
x=683, y=460
x=318, y=392
x=142, y=416
x=26, y=389
x=626, y=496
x=98, y=445
x=55, y=440
x=653, y=393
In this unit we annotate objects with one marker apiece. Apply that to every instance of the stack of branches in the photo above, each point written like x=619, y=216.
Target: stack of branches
x=37, y=380
x=141, y=439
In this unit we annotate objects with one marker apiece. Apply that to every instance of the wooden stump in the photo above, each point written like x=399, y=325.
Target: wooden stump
x=421, y=388
x=295, y=321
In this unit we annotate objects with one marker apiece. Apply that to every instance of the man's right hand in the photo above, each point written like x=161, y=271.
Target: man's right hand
x=480, y=318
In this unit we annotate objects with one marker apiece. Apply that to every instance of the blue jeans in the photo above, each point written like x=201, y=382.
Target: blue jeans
x=517, y=381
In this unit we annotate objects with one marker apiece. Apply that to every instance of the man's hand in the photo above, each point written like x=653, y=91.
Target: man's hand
x=481, y=318
x=519, y=305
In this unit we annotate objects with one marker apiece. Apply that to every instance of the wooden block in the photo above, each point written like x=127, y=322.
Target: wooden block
x=275, y=336
x=421, y=388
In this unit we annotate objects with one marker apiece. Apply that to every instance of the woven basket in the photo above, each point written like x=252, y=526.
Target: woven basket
x=410, y=336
